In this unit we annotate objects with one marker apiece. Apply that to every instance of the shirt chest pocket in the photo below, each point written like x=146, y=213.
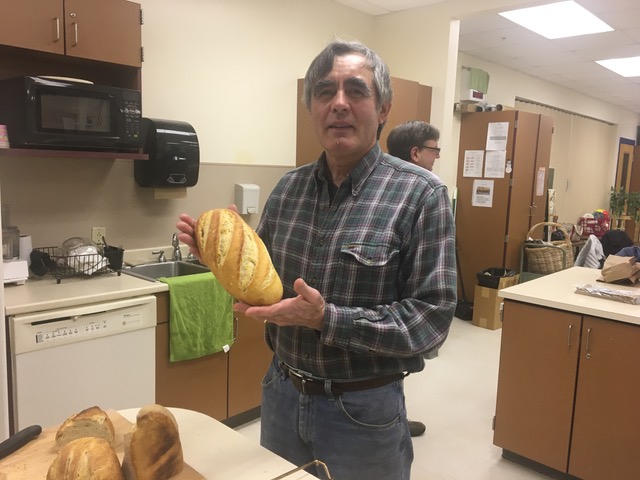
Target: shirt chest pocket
x=370, y=255
x=367, y=274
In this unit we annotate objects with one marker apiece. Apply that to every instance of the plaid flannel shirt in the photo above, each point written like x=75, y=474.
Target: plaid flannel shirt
x=382, y=254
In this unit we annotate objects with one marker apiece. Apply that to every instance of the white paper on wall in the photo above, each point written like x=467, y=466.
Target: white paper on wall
x=497, y=136
x=494, y=166
x=482, y=195
x=473, y=163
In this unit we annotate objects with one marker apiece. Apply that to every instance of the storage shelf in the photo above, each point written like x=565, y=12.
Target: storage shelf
x=37, y=153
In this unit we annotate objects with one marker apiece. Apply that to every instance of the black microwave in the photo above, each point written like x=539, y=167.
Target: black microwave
x=54, y=112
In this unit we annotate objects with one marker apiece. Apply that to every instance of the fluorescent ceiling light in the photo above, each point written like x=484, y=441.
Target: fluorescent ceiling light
x=627, y=67
x=558, y=20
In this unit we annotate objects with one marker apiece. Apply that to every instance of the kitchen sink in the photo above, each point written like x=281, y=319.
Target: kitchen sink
x=153, y=271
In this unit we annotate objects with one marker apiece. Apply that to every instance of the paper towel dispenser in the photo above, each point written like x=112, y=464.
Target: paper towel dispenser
x=174, y=154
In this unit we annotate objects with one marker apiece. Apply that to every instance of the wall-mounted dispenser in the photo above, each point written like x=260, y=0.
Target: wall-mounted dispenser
x=247, y=198
x=474, y=84
x=174, y=155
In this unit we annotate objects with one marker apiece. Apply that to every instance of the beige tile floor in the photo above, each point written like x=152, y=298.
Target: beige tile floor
x=455, y=397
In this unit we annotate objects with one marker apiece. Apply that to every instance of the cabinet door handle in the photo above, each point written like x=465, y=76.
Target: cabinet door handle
x=588, y=345
x=569, y=344
x=56, y=27
x=75, y=34
x=75, y=28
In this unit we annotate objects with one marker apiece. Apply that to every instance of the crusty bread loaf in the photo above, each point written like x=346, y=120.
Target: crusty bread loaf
x=152, y=450
x=86, y=458
x=91, y=422
x=237, y=257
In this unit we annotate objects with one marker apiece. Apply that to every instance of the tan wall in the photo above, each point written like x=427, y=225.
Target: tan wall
x=53, y=199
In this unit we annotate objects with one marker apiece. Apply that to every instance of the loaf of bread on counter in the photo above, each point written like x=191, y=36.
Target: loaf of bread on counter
x=237, y=257
x=152, y=450
x=87, y=458
x=90, y=422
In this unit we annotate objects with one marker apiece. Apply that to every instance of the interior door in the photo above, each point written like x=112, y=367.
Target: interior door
x=628, y=179
x=481, y=230
x=625, y=164
x=528, y=198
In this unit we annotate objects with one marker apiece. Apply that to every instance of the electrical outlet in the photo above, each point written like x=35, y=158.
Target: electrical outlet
x=97, y=234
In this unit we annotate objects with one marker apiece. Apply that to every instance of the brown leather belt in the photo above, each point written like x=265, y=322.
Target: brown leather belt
x=315, y=386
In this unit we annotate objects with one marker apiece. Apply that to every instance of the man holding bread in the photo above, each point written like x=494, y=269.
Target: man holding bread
x=363, y=243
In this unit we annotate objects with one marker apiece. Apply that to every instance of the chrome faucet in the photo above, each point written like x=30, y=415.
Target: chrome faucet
x=175, y=243
x=161, y=257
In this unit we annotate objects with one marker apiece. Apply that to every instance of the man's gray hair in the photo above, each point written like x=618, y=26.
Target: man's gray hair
x=323, y=63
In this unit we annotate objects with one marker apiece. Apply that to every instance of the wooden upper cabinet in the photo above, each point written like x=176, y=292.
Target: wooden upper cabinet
x=106, y=31
x=33, y=24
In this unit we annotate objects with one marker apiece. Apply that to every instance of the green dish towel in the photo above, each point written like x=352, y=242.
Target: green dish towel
x=200, y=316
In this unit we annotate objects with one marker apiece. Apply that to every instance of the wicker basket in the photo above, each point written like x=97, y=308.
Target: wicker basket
x=545, y=258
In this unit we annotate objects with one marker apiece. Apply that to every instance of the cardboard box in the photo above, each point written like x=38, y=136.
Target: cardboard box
x=487, y=305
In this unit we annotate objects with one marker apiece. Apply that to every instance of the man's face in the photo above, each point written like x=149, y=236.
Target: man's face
x=343, y=109
x=425, y=155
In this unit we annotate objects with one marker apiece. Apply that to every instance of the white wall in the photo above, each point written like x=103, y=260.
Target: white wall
x=229, y=68
x=505, y=85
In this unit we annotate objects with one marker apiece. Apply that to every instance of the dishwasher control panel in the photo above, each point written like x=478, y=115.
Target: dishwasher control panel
x=48, y=334
x=63, y=326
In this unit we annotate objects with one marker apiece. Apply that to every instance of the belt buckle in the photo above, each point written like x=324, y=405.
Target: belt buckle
x=303, y=379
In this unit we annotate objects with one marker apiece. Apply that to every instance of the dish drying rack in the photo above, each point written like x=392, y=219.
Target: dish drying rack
x=62, y=266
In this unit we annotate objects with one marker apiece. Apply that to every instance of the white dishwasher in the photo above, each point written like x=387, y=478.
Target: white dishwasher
x=66, y=360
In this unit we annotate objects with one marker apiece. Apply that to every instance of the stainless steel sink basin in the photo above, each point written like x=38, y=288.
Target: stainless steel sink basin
x=153, y=271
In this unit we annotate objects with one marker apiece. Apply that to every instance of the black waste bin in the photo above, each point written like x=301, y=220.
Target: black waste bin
x=490, y=277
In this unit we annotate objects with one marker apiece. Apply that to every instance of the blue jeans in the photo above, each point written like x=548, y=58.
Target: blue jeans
x=357, y=435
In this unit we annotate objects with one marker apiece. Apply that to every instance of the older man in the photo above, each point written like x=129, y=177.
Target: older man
x=364, y=246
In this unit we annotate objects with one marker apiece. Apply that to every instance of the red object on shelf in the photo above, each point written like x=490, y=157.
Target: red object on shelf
x=594, y=226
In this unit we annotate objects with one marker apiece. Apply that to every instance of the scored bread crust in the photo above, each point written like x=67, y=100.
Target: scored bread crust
x=86, y=458
x=90, y=422
x=152, y=450
x=237, y=257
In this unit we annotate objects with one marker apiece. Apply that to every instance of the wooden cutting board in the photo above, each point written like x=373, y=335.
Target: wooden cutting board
x=32, y=461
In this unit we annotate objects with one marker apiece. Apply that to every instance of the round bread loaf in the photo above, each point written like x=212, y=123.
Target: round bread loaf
x=86, y=458
x=237, y=257
x=90, y=422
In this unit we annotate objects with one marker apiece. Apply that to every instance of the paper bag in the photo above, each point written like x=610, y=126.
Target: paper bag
x=617, y=268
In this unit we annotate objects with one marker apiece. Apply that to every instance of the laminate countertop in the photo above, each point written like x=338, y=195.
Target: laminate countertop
x=44, y=293
x=216, y=451
x=558, y=291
